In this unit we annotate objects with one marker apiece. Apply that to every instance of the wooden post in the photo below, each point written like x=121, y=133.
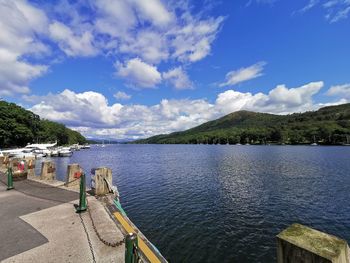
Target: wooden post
x=102, y=175
x=71, y=181
x=48, y=171
x=300, y=244
x=2, y=158
x=30, y=166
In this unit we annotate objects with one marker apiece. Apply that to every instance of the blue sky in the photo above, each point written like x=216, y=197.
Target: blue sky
x=127, y=69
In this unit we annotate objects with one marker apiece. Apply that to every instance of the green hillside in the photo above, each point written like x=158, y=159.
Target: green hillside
x=19, y=127
x=329, y=125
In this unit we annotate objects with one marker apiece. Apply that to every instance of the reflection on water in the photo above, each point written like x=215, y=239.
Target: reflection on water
x=211, y=203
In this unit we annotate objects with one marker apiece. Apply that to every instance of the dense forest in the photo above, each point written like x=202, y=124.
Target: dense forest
x=19, y=127
x=328, y=126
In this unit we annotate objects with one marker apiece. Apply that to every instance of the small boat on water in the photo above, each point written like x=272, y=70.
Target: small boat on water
x=85, y=146
x=65, y=152
x=314, y=144
x=54, y=153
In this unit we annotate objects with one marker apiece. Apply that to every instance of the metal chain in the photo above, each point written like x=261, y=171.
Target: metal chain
x=115, y=244
x=88, y=239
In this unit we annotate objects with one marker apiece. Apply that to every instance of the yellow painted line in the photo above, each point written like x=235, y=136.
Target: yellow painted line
x=148, y=252
x=124, y=223
x=142, y=245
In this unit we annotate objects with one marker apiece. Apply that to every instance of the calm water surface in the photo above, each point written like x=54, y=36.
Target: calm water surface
x=211, y=203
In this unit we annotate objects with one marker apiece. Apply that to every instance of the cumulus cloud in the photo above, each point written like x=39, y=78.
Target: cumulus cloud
x=70, y=43
x=243, y=74
x=150, y=45
x=152, y=31
x=120, y=95
x=20, y=24
x=342, y=91
x=91, y=113
x=192, y=42
x=139, y=74
x=178, y=78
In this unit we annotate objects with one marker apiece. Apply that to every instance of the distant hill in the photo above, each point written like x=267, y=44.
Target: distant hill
x=19, y=127
x=328, y=125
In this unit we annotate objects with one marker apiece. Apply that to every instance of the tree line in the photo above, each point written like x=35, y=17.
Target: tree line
x=19, y=127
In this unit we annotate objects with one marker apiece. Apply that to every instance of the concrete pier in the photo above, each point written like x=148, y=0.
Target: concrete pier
x=300, y=244
x=39, y=223
x=48, y=171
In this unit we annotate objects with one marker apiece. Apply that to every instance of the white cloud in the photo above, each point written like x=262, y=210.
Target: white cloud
x=70, y=43
x=336, y=10
x=152, y=31
x=342, y=91
x=20, y=24
x=114, y=18
x=139, y=73
x=154, y=11
x=15, y=74
x=178, y=78
x=120, y=95
x=243, y=74
x=151, y=46
x=91, y=113
x=192, y=42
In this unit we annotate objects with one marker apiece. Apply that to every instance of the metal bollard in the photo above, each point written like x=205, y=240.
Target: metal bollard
x=82, y=194
x=9, y=179
x=131, y=246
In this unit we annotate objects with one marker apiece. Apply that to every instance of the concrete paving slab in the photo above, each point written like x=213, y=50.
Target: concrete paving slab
x=39, y=224
x=67, y=239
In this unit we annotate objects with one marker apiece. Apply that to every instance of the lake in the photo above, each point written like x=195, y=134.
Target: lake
x=225, y=203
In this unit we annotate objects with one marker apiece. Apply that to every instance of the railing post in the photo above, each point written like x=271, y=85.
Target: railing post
x=9, y=179
x=131, y=246
x=82, y=194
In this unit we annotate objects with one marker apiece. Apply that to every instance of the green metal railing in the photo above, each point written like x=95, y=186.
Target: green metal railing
x=131, y=248
x=9, y=178
x=82, y=194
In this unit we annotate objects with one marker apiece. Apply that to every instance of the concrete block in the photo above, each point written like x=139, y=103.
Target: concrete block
x=48, y=171
x=102, y=175
x=301, y=244
x=70, y=179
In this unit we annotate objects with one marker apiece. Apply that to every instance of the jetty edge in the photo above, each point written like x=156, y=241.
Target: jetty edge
x=41, y=222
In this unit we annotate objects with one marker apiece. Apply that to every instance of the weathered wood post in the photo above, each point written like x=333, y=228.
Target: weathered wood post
x=48, y=171
x=5, y=162
x=30, y=166
x=103, y=180
x=71, y=181
x=19, y=169
x=2, y=158
x=299, y=244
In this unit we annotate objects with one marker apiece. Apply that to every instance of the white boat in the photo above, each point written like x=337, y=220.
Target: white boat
x=85, y=146
x=314, y=144
x=36, y=150
x=54, y=153
x=65, y=152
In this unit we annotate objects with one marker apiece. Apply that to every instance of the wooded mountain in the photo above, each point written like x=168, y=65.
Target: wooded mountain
x=328, y=125
x=19, y=127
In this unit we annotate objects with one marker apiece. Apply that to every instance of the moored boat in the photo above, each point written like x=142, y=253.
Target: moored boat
x=65, y=152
